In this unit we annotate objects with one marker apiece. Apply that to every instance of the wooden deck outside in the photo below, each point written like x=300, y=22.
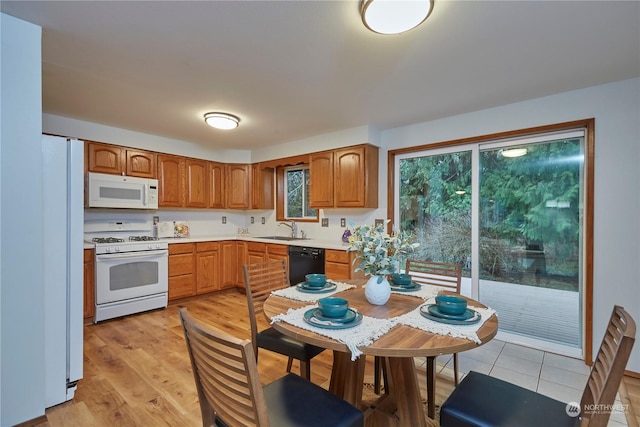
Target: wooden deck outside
x=547, y=314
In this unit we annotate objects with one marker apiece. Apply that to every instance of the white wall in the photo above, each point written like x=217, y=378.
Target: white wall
x=21, y=255
x=616, y=109
x=343, y=138
x=59, y=125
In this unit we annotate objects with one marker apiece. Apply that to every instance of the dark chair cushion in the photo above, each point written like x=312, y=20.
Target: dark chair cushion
x=293, y=401
x=481, y=400
x=272, y=340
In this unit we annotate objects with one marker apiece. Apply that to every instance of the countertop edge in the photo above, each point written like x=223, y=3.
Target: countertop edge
x=312, y=243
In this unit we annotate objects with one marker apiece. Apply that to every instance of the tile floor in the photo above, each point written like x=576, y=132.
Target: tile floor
x=559, y=377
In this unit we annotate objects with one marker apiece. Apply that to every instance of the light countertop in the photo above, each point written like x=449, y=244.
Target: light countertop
x=312, y=243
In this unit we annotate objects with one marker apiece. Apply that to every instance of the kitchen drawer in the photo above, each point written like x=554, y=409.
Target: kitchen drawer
x=206, y=246
x=256, y=247
x=278, y=249
x=181, y=248
x=337, y=256
x=337, y=271
x=181, y=264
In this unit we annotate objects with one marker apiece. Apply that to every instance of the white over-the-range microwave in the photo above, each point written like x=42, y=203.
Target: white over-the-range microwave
x=125, y=192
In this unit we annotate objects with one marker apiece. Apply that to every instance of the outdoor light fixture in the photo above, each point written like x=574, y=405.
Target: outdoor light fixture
x=513, y=152
x=221, y=120
x=394, y=16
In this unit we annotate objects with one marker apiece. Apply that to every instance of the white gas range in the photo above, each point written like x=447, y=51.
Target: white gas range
x=131, y=268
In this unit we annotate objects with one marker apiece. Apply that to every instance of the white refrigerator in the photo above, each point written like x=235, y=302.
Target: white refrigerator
x=63, y=203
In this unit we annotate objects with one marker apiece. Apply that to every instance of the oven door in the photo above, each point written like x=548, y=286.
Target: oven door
x=128, y=275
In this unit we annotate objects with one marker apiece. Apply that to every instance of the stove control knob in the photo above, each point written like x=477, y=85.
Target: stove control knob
x=107, y=249
x=117, y=248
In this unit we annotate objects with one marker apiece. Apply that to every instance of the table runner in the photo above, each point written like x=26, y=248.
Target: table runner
x=416, y=320
x=369, y=330
x=293, y=293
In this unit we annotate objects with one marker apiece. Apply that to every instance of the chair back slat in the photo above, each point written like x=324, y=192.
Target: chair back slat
x=441, y=274
x=260, y=279
x=608, y=368
x=226, y=375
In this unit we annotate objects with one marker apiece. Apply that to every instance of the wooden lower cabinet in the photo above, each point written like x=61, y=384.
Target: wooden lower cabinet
x=229, y=264
x=278, y=252
x=182, y=278
x=256, y=252
x=89, y=283
x=207, y=267
x=338, y=265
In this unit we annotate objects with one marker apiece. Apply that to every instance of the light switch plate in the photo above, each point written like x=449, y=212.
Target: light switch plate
x=325, y=222
x=263, y=220
x=343, y=222
x=252, y=220
x=224, y=219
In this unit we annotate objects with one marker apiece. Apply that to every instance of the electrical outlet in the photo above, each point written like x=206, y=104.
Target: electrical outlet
x=263, y=220
x=343, y=222
x=252, y=220
x=156, y=219
x=325, y=222
x=379, y=222
x=224, y=219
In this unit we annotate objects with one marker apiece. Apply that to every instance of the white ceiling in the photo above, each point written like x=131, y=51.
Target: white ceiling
x=294, y=69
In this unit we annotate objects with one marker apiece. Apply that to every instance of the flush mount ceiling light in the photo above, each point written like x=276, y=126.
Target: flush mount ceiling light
x=394, y=16
x=222, y=120
x=513, y=152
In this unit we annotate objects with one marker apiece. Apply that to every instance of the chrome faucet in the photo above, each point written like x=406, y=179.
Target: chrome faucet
x=293, y=227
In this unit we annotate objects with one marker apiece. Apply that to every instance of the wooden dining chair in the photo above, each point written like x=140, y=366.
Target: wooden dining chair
x=447, y=276
x=230, y=393
x=260, y=280
x=481, y=400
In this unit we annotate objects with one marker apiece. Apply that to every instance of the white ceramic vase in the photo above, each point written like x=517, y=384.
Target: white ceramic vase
x=377, y=291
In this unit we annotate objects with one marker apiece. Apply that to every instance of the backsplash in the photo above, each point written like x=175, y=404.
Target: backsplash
x=210, y=222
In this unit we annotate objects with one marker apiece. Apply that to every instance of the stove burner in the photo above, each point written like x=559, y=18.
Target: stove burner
x=107, y=240
x=142, y=238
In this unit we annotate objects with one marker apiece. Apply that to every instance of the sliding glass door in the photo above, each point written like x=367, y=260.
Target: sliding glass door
x=510, y=212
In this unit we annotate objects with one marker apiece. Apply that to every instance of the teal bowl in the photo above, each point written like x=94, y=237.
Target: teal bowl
x=399, y=279
x=333, y=306
x=315, y=280
x=451, y=304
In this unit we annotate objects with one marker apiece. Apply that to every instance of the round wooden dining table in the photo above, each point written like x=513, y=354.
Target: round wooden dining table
x=401, y=403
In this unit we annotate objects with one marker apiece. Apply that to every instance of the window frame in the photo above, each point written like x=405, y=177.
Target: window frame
x=589, y=140
x=281, y=194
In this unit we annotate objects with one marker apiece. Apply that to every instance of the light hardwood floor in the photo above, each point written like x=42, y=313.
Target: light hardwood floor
x=137, y=370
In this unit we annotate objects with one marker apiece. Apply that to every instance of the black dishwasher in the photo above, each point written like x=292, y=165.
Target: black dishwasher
x=303, y=261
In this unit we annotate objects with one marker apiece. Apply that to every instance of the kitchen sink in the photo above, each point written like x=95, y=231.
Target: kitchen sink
x=280, y=238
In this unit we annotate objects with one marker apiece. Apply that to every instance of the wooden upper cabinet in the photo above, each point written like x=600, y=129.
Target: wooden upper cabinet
x=237, y=185
x=321, y=180
x=196, y=181
x=261, y=187
x=116, y=160
x=170, y=182
x=105, y=158
x=356, y=177
x=141, y=164
x=216, y=185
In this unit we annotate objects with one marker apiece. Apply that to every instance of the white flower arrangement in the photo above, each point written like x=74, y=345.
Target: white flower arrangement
x=379, y=252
